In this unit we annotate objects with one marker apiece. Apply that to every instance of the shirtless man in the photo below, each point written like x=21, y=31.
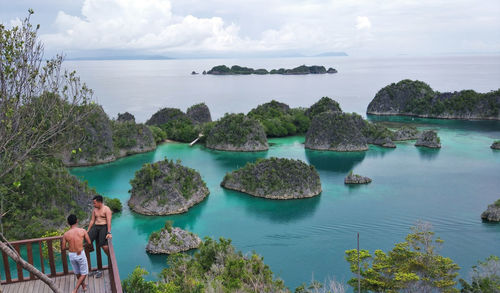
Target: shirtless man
x=100, y=224
x=74, y=237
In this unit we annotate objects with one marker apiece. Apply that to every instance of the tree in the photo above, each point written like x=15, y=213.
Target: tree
x=39, y=103
x=485, y=277
x=411, y=266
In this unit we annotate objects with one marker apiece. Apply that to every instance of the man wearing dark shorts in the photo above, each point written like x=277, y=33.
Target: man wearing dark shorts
x=100, y=224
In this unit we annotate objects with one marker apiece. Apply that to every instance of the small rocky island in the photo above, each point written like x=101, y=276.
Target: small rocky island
x=496, y=145
x=170, y=240
x=334, y=131
x=323, y=105
x=275, y=178
x=166, y=188
x=416, y=98
x=492, y=214
x=430, y=139
x=239, y=70
x=199, y=113
x=356, y=179
x=237, y=132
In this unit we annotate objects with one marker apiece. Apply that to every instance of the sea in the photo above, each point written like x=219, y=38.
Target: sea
x=304, y=240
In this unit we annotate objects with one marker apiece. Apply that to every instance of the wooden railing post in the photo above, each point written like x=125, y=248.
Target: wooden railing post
x=20, y=276
x=30, y=258
x=114, y=274
x=6, y=267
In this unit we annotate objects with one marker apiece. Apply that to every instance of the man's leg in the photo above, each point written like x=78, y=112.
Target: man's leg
x=106, y=249
x=81, y=279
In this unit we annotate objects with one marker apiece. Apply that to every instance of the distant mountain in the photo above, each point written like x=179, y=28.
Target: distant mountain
x=329, y=54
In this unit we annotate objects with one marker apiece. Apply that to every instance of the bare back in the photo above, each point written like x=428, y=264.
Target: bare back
x=101, y=215
x=74, y=237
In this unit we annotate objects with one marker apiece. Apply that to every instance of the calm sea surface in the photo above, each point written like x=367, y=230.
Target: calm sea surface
x=302, y=239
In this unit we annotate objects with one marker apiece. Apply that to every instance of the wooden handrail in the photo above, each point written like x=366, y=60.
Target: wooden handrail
x=112, y=266
x=116, y=285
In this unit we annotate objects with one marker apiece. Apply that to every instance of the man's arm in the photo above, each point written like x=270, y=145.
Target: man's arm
x=64, y=243
x=108, y=222
x=92, y=220
x=87, y=238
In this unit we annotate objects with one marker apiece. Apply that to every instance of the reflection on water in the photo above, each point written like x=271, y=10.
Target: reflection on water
x=378, y=151
x=234, y=160
x=279, y=211
x=340, y=162
x=428, y=153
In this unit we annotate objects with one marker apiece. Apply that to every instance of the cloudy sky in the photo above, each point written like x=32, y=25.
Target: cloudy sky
x=194, y=28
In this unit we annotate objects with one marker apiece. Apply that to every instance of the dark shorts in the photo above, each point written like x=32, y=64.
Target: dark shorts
x=98, y=233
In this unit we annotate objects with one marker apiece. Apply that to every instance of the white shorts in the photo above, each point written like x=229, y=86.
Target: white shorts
x=79, y=263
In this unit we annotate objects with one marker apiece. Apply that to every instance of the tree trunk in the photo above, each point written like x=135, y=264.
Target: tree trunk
x=29, y=267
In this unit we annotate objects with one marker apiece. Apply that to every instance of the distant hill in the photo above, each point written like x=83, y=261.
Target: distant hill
x=138, y=57
x=330, y=54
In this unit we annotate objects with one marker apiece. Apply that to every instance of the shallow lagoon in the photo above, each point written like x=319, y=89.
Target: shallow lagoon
x=301, y=239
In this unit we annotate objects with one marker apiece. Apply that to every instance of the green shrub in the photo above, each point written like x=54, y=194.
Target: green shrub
x=158, y=134
x=497, y=203
x=114, y=204
x=279, y=120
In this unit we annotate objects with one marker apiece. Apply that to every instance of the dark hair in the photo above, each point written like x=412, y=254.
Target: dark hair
x=98, y=198
x=72, y=220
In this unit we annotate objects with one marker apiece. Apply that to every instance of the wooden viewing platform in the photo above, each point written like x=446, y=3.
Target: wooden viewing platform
x=65, y=279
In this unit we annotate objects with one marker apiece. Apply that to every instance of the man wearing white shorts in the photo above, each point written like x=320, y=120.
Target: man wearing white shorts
x=74, y=237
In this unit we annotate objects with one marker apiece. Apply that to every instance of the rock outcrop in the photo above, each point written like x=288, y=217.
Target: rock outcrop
x=378, y=135
x=336, y=132
x=165, y=115
x=125, y=117
x=430, y=139
x=165, y=188
x=406, y=133
x=492, y=214
x=170, y=240
x=92, y=143
x=275, y=178
x=496, y=145
x=237, y=132
x=356, y=179
x=130, y=138
x=416, y=98
x=323, y=105
x=199, y=113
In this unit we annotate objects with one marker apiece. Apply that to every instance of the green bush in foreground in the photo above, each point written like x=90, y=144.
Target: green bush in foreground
x=114, y=204
x=216, y=267
x=485, y=277
x=412, y=265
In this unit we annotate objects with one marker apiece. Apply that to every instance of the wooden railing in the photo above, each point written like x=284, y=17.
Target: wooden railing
x=49, y=243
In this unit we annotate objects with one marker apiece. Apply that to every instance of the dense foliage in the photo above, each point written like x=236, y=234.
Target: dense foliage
x=158, y=134
x=323, y=105
x=128, y=134
x=215, y=267
x=235, y=129
x=182, y=129
x=279, y=120
x=114, y=204
x=412, y=265
x=40, y=198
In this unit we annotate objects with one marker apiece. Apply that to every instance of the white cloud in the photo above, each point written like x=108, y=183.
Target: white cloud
x=308, y=26
x=363, y=22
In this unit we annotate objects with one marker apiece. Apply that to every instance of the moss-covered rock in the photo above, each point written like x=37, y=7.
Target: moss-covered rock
x=165, y=188
x=237, y=132
x=165, y=115
x=91, y=142
x=199, y=113
x=125, y=117
x=356, y=179
x=378, y=135
x=495, y=145
x=416, y=98
x=430, y=139
x=275, y=178
x=40, y=197
x=336, y=132
x=323, y=105
x=170, y=240
x=131, y=138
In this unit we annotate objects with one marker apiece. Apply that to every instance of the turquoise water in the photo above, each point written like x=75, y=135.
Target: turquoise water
x=301, y=239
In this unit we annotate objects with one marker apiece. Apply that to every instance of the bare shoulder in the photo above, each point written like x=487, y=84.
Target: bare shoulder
x=107, y=209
